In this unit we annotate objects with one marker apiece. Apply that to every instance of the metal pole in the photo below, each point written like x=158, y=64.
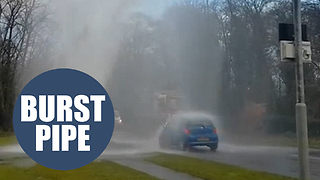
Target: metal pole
x=301, y=108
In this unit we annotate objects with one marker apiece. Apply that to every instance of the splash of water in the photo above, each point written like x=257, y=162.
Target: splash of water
x=89, y=33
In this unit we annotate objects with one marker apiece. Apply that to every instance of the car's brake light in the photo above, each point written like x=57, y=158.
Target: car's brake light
x=215, y=131
x=186, y=131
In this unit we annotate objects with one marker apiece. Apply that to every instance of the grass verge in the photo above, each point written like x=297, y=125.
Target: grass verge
x=292, y=142
x=7, y=140
x=95, y=171
x=209, y=170
x=272, y=140
x=314, y=143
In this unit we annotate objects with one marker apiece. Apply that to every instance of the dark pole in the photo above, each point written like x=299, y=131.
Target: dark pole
x=301, y=108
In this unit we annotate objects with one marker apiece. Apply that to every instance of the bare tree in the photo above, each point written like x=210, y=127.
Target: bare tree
x=20, y=28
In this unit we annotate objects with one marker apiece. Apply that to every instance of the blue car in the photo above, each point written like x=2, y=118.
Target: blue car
x=185, y=131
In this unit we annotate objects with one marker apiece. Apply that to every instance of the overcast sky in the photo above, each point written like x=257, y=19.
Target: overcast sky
x=155, y=7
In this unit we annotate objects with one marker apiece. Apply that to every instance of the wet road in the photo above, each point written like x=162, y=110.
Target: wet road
x=277, y=160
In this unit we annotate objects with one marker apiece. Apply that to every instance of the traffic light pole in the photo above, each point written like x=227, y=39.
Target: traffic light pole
x=301, y=108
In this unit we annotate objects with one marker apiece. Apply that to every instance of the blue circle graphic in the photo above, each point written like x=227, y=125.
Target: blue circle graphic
x=79, y=129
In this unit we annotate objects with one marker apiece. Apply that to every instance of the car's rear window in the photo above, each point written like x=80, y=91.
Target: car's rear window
x=198, y=123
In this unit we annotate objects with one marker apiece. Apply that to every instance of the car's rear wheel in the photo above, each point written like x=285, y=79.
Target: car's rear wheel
x=213, y=147
x=183, y=146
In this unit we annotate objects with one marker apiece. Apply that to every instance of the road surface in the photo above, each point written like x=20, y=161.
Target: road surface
x=126, y=150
